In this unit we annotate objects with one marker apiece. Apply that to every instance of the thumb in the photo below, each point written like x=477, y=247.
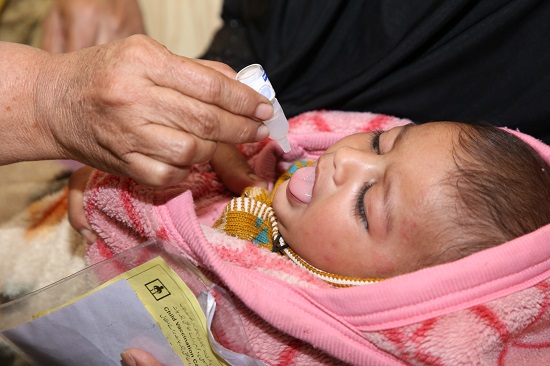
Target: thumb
x=233, y=169
x=77, y=214
x=138, y=357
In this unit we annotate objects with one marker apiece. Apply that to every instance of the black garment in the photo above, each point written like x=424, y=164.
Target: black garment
x=461, y=60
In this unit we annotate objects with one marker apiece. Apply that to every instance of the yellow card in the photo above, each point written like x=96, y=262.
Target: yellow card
x=173, y=306
x=176, y=310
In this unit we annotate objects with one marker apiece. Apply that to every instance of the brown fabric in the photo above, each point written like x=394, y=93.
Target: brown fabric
x=23, y=183
x=21, y=21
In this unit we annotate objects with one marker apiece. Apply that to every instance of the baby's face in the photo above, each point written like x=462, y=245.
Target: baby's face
x=367, y=207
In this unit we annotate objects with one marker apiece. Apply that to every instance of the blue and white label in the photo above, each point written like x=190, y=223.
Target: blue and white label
x=255, y=77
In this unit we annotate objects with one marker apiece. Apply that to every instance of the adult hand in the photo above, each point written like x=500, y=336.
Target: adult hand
x=133, y=108
x=74, y=24
x=137, y=357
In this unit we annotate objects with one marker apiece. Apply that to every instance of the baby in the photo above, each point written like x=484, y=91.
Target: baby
x=380, y=204
x=373, y=205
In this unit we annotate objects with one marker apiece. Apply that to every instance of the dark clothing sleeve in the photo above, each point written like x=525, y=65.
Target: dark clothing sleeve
x=461, y=60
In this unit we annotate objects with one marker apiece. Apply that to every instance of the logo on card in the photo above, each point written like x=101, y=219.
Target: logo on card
x=157, y=289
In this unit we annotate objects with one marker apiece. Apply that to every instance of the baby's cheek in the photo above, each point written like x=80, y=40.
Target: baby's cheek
x=408, y=231
x=305, y=241
x=383, y=265
x=408, y=249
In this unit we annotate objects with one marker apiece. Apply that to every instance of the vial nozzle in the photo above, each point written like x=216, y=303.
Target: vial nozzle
x=255, y=77
x=284, y=144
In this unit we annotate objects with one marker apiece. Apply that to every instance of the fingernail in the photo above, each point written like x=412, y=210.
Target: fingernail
x=264, y=111
x=88, y=235
x=127, y=359
x=262, y=133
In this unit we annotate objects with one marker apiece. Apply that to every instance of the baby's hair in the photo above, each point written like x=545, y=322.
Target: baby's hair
x=501, y=190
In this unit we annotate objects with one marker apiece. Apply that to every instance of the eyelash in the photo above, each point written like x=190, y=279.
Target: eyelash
x=360, y=205
x=359, y=201
x=376, y=141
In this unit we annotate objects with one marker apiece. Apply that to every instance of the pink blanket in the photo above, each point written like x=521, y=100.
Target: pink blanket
x=491, y=308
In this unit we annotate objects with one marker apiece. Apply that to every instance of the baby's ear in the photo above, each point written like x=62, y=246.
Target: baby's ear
x=233, y=169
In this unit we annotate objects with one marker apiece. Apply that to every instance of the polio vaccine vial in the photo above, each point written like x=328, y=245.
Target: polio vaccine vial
x=255, y=77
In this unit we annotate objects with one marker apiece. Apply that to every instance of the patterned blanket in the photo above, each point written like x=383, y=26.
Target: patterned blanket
x=491, y=308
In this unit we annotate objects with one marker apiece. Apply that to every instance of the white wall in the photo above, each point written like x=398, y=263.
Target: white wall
x=186, y=27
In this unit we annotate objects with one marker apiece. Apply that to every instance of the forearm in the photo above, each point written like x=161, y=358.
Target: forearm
x=25, y=136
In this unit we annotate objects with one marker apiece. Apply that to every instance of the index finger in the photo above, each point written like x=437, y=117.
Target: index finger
x=218, y=66
x=211, y=86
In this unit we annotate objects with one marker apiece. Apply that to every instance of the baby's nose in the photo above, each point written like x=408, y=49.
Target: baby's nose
x=352, y=163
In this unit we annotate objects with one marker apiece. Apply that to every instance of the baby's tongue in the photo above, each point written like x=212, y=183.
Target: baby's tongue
x=301, y=183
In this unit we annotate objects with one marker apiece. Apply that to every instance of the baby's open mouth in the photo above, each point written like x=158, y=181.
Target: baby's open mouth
x=301, y=184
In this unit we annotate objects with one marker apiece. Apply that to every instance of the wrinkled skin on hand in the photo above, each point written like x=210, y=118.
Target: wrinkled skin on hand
x=74, y=24
x=133, y=108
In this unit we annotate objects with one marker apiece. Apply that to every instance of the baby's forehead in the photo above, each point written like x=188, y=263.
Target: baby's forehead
x=440, y=126
x=435, y=202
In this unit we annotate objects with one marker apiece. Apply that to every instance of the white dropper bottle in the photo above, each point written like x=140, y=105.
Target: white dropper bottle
x=255, y=77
